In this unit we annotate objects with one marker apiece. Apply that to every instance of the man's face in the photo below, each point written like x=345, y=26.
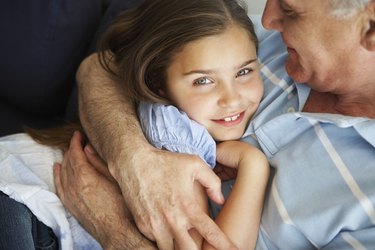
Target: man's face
x=323, y=51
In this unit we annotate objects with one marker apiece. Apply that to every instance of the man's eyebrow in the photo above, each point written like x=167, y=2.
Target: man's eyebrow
x=282, y=2
x=208, y=71
x=285, y=4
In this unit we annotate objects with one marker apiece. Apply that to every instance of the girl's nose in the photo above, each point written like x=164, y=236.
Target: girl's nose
x=229, y=97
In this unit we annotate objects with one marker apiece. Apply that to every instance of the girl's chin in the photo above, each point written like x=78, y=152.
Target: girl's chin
x=228, y=137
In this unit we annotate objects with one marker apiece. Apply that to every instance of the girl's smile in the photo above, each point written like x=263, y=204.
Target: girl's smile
x=231, y=121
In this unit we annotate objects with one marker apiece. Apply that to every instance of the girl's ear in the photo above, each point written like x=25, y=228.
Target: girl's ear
x=368, y=37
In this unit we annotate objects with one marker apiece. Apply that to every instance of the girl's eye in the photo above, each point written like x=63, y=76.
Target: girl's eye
x=202, y=81
x=243, y=72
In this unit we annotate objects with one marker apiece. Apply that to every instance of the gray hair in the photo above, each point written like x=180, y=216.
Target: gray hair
x=346, y=8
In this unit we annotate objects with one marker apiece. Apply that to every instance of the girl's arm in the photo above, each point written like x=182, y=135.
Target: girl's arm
x=240, y=216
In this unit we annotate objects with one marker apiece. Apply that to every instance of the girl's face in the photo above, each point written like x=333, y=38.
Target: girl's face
x=216, y=81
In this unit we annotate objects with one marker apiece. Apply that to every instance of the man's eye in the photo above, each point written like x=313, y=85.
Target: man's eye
x=243, y=72
x=288, y=11
x=202, y=81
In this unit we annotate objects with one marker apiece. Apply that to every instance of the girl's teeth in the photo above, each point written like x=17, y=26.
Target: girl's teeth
x=233, y=118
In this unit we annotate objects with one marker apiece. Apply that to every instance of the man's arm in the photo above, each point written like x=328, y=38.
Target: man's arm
x=157, y=185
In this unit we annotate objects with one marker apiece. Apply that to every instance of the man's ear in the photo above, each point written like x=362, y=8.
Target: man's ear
x=368, y=37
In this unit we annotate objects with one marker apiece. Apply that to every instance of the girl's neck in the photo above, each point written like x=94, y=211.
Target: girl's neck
x=318, y=102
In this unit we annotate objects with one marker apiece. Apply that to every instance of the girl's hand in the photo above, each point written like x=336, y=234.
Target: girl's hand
x=225, y=173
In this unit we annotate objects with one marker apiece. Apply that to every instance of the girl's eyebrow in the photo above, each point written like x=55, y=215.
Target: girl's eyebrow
x=204, y=72
x=248, y=62
x=211, y=71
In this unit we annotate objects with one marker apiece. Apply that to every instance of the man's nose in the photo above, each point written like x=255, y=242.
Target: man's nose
x=273, y=16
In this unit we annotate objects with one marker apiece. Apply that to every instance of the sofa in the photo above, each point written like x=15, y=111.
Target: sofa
x=43, y=43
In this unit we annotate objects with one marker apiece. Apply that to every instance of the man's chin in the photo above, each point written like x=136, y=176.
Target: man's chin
x=295, y=71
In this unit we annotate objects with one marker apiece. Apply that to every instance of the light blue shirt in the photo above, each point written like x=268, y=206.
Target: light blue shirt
x=168, y=128
x=321, y=192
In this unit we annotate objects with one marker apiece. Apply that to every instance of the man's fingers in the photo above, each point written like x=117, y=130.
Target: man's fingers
x=75, y=149
x=77, y=139
x=163, y=239
x=211, y=232
x=211, y=182
x=165, y=243
x=57, y=180
x=97, y=162
x=183, y=239
x=66, y=169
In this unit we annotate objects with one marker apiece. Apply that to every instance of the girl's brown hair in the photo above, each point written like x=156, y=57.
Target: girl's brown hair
x=141, y=42
x=139, y=45
x=56, y=137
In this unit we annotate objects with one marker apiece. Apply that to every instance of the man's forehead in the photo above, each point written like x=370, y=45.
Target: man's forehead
x=300, y=5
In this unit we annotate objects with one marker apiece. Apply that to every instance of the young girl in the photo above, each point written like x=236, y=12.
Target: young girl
x=195, y=78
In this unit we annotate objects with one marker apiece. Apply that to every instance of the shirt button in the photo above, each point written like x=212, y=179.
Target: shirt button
x=291, y=110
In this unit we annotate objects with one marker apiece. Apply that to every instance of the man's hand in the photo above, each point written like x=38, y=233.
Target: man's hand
x=94, y=200
x=160, y=195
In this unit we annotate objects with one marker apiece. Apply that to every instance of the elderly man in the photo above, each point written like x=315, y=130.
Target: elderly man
x=315, y=124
